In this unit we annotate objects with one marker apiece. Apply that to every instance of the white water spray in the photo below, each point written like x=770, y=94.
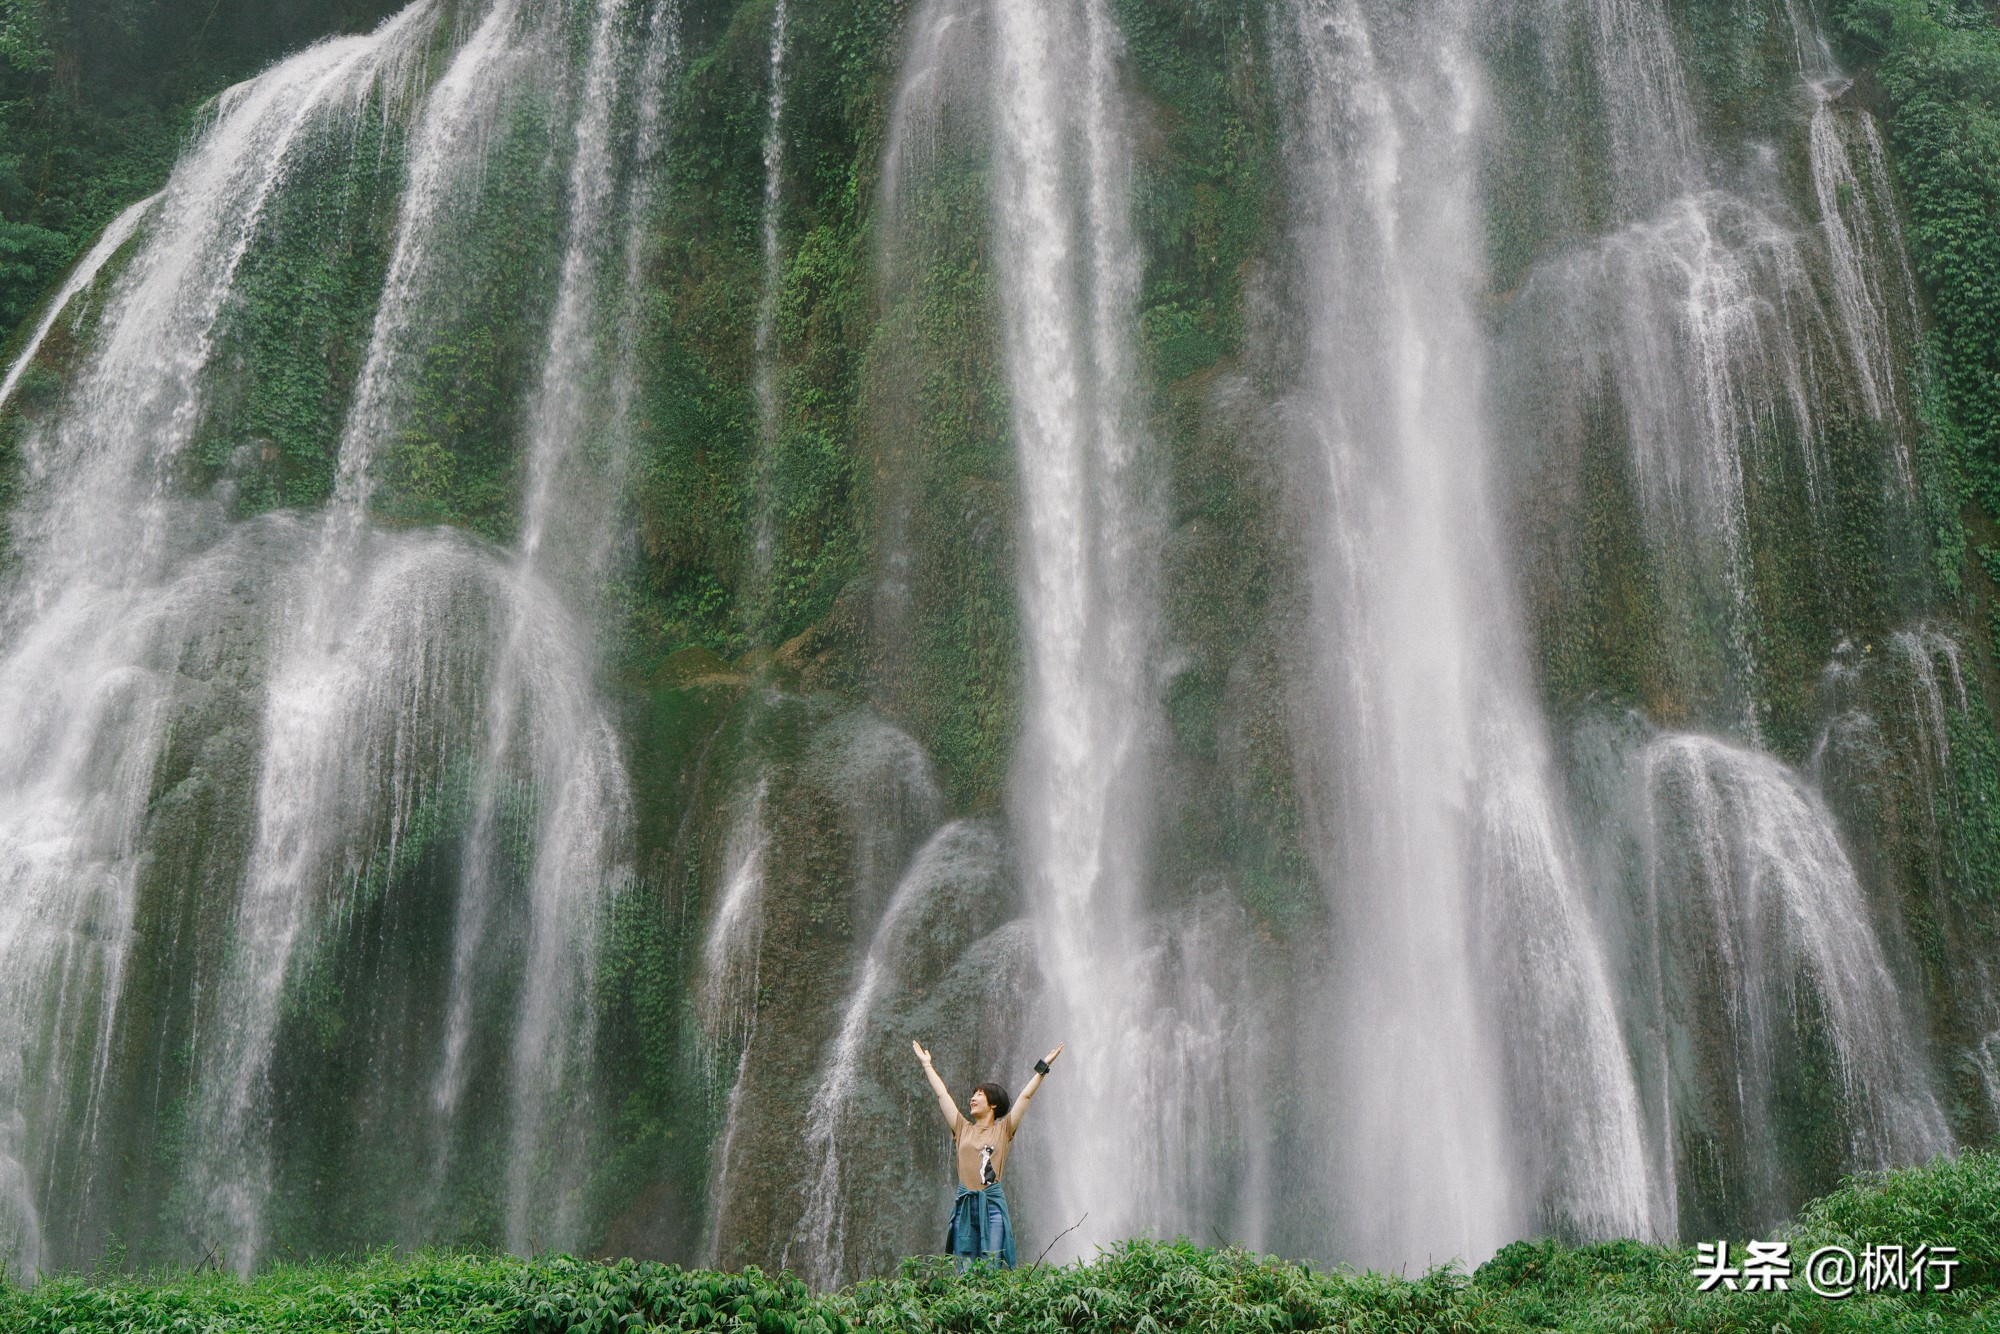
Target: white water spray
x=1089, y=539
x=1756, y=907
x=118, y=618
x=80, y=278
x=1475, y=1069
x=764, y=386
x=959, y=852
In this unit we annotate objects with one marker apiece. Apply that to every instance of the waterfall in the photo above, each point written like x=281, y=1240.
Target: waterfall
x=735, y=933
x=729, y=954
x=1468, y=1038
x=889, y=806
x=119, y=617
x=937, y=57
x=1677, y=311
x=80, y=279
x=1859, y=229
x=1364, y=565
x=1932, y=705
x=1859, y=226
x=658, y=75
x=340, y=704
x=1766, y=931
x=932, y=197
x=575, y=753
x=385, y=676
x=764, y=385
x=835, y=1130
x=1069, y=277
x=726, y=996
x=1852, y=243
x=890, y=803
x=1717, y=325
x=1717, y=331
x=1655, y=155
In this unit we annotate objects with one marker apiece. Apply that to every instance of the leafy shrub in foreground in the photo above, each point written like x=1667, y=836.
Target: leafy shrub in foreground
x=1138, y=1287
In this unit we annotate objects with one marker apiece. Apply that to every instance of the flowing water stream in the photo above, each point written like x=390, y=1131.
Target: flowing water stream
x=401, y=652
x=764, y=537
x=119, y=583
x=1471, y=1008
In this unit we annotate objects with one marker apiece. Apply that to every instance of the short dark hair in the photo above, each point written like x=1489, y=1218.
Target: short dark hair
x=997, y=1097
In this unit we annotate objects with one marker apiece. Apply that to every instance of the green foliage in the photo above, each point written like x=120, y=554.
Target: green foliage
x=1974, y=815
x=699, y=470
x=1135, y=1286
x=664, y=1108
x=1203, y=188
x=28, y=255
x=1938, y=61
x=95, y=99
x=457, y=453
x=1951, y=1203
x=892, y=445
x=1738, y=54
x=292, y=343
x=935, y=406
x=24, y=37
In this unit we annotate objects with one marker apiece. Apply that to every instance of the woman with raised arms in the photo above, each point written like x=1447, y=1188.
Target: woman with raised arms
x=981, y=1228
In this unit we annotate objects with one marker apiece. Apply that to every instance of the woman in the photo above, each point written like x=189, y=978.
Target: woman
x=980, y=1225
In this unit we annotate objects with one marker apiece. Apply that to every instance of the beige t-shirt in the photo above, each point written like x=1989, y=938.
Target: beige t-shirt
x=973, y=1140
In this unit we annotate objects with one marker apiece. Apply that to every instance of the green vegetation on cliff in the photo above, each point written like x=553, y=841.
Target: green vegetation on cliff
x=95, y=98
x=1935, y=70
x=1141, y=1285
x=1938, y=62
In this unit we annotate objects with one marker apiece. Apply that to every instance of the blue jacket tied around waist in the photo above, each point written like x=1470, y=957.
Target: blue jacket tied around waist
x=971, y=1234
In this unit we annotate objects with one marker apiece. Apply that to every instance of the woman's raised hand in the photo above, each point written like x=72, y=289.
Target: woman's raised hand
x=924, y=1055
x=1050, y=1059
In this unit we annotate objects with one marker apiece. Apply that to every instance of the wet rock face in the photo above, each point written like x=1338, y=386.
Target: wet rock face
x=801, y=968
x=865, y=933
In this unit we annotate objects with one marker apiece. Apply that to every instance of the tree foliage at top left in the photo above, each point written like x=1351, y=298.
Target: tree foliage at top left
x=96, y=97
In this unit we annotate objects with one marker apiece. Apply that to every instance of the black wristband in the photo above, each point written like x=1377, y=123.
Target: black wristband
x=1041, y=1067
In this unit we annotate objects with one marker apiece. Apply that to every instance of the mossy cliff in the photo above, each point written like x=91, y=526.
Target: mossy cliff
x=829, y=710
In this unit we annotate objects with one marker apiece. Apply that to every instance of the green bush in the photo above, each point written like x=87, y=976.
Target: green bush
x=1136, y=1286
x=1938, y=61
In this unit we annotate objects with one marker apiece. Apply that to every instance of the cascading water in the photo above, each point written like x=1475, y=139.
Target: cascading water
x=1845, y=194
x=957, y=854
x=1766, y=932
x=1089, y=551
x=938, y=75
x=114, y=615
x=884, y=802
x=573, y=752
x=20, y=1210
x=1480, y=1050
x=735, y=934
x=406, y=653
x=1932, y=666
x=764, y=537
x=341, y=708
x=726, y=1003
x=1358, y=563
x=1469, y=1010
x=1723, y=333
x=80, y=279
x=729, y=955
x=1858, y=226
x=1675, y=311
x=1717, y=324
